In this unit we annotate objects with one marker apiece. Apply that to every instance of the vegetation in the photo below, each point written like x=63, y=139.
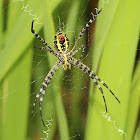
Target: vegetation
x=112, y=56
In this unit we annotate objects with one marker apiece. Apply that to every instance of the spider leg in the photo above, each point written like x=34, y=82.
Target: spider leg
x=91, y=74
x=48, y=50
x=78, y=49
x=43, y=88
x=40, y=102
x=37, y=96
x=95, y=81
x=83, y=52
x=38, y=36
x=96, y=77
x=84, y=29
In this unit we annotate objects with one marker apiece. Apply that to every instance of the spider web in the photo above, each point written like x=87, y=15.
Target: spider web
x=69, y=87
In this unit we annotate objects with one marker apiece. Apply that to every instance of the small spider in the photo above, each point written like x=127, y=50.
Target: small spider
x=65, y=58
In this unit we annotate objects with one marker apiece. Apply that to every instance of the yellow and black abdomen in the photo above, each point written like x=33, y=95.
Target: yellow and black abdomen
x=61, y=42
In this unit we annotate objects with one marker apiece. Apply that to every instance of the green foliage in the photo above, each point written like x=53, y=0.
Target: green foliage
x=115, y=51
x=115, y=48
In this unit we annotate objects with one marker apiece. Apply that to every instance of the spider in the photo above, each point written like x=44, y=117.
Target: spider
x=65, y=58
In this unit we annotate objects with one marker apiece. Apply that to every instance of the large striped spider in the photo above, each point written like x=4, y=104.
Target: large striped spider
x=65, y=58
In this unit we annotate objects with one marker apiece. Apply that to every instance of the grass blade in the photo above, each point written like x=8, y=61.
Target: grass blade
x=13, y=46
x=116, y=67
x=133, y=107
x=15, y=105
x=1, y=23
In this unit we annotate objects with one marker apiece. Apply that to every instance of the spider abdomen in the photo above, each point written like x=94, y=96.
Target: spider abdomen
x=61, y=42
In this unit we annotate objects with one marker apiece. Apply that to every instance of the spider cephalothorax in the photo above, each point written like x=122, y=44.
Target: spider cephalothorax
x=65, y=58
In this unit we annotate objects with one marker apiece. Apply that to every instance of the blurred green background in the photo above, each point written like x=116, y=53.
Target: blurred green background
x=73, y=107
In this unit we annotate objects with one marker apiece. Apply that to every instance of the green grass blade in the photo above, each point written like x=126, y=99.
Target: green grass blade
x=137, y=134
x=13, y=15
x=118, y=48
x=13, y=101
x=1, y=42
x=15, y=44
x=72, y=20
x=15, y=105
x=103, y=28
x=1, y=23
x=134, y=104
